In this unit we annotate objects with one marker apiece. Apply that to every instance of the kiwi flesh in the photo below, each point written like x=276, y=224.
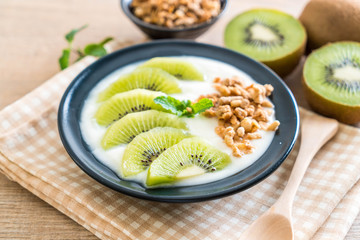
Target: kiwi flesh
x=331, y=21
x=147, y=146
x=331, y=79
x=154, y=79
x=120, y=104
x=127, y=128
x=179, y=68
x=189, y=158
x=270, y=36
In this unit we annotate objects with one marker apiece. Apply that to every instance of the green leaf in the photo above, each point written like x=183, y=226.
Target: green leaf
x=95, y=50
x=64, y=59
x=106, y=40
x=70, y=36
x=179, y=108
x=170, y=103
x=202, y=105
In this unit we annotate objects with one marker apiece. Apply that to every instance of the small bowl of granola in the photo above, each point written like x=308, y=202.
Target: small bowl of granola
x=186, y=19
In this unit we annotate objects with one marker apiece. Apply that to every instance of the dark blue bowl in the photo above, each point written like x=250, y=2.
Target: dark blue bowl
x=156, y=32
x=73, y=99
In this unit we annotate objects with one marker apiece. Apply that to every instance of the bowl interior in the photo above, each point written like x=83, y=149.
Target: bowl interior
x=280, y=147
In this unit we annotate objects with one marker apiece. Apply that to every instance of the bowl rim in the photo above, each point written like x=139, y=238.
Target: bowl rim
x=75, y=145
x=126, y=9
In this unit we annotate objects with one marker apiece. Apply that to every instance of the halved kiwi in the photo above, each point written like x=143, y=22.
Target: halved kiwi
x=154, y=79
x=147, y=146
x=331, y=77
x=127, y=102
x=176, y=67
x=190, y=157
x=128, y=127
x=270, y=36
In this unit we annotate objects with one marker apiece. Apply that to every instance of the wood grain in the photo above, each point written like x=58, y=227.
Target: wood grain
x=31, y=40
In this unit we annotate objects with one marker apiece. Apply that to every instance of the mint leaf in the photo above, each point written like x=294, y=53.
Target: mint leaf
x=202, y=105
x=179, y=108
x=95, y=50
x=64, y=59
x=106, y=40
x=70, y=36
x=170, y=103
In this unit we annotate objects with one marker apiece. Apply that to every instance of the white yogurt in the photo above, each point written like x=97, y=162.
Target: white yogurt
x=200, y=126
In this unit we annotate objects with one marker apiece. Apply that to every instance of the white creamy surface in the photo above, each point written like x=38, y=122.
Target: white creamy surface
x=200, y=126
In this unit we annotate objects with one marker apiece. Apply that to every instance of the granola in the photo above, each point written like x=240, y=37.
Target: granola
x=175, y=13
x=241, y=112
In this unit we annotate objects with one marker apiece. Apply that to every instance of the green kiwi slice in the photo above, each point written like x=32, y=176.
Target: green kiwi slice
x=269, y=36
x=154, y=79
x=128, y=127
x=331, y=77
x=190, y=157
x=176, y=67
x=120, y=104
x=147, y=146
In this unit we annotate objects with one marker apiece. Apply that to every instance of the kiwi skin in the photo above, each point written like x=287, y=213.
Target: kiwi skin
x=330, y=21
x=285, y=65
x=344, y=113
x=347, y=114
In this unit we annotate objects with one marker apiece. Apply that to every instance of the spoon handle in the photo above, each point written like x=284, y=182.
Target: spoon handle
x=315, y=132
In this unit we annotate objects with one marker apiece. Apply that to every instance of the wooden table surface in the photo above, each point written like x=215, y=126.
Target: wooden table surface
x=31, y=40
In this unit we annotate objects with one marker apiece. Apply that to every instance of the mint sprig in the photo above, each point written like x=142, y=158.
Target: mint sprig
x=93, y=49
x=185, y=107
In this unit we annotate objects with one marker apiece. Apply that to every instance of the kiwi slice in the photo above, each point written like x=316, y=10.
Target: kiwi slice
x=146, y=147
x=331, y=77
x=120, y=104
x=128, y=127
x=176, y=67
x=154, y=79
x=190, y=157
x=270, y=36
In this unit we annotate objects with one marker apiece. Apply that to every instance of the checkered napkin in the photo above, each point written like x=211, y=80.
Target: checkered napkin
x=32, y=154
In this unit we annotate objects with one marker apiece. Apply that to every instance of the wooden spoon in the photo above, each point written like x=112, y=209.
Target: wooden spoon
x=276, y=223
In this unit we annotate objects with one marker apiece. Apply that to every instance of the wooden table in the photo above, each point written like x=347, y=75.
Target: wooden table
x=31, y=40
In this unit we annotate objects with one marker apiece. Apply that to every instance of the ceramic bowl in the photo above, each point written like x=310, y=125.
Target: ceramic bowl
x=286, y=112
x=157, y=32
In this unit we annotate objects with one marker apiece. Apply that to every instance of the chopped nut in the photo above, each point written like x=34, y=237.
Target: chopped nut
x=255, y=135
x=269, y=89
x=240, y=131
x=260, y=115
x=267, y=103
x=273, y=126
x=228, y=100
x=226, y=115
x=230, y=131
x=234, y=121
x=236, y=152
x=222, y=89
x=250, y=125
x=245, y=146
x=241, y=111
x=176, y=13
x=250, y=110
x=210, y=112
x=240, y=103
x=229, y=141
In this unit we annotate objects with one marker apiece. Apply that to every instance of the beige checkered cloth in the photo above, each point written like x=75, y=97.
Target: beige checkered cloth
x=31, y=154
